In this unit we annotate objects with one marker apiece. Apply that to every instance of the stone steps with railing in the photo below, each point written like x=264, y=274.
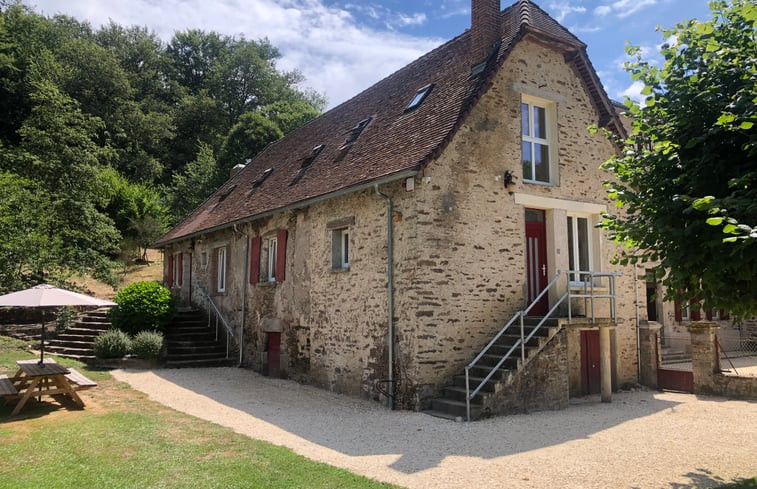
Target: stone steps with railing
x=477, y=391
x=192, y=340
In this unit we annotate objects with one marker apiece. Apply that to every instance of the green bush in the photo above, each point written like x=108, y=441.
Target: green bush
x=142, y=306
x=64, y=318
x=112, y=344
x=147, y=344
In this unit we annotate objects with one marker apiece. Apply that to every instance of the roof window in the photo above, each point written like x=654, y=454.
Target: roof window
x=225, y=193
x=355, y=132
x=419, y=97
x=306, y=162
x=259, y=181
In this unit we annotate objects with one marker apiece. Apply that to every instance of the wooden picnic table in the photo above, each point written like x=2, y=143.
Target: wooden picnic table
x=46, y=379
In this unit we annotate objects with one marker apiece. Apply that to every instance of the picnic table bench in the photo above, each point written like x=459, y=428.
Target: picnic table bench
x=47, y=379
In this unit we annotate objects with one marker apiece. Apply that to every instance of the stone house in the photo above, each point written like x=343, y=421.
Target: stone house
x=424, y=213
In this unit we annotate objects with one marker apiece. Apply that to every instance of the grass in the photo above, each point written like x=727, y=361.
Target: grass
x=745, y=484
x=124, y=440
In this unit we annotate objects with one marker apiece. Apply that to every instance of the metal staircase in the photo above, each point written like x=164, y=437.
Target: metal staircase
x=521, y=339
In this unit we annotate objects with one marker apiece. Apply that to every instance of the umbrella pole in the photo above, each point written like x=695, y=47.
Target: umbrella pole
x=42, y=349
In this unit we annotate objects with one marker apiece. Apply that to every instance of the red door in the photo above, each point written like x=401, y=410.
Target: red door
x=590, y=379
x=536, y=260
x=274, y=354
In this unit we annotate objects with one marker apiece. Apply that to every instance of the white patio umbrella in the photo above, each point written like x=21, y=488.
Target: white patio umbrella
x=42, y=296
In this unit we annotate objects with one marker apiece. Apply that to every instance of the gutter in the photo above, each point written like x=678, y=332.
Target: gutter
x=389, y=293
x=245, y=281
x=297, y=205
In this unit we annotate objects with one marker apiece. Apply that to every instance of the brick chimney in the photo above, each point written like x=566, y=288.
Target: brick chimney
x=485, y=27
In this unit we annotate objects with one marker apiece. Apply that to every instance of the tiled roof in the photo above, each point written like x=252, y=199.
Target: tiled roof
x=393, y=143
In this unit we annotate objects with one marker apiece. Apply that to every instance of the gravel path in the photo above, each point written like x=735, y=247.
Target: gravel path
x=642, y=439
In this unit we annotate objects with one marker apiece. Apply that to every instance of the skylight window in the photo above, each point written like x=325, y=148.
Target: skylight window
x=306, y=162
x=225, y=193
x=355, y=132
x=257, y=183
x=419, y=97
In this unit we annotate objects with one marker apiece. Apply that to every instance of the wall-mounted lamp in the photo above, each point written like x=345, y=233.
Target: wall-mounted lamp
x=509, y=182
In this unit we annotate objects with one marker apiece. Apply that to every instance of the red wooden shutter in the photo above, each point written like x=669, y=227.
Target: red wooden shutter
x=214, y=272
x=679, y=314
x=169, y=275
x=696, y=314
x=724, y=315
x=180, y=270
x=708, y=314
x=281, y=254
x=255, y=260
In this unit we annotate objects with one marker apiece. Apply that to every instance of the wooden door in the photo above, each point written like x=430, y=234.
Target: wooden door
x=536, y=260
x=274, y=354
x=590, y=379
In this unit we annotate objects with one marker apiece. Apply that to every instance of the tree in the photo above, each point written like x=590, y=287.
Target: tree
x=245, y=140
x=690, y=162
x=195, y=184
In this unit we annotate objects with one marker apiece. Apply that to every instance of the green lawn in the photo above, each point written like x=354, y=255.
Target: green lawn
x=123, y=440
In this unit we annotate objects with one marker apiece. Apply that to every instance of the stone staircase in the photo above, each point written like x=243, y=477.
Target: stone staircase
x=78, y=341
x=191, y=343
x=452, y=403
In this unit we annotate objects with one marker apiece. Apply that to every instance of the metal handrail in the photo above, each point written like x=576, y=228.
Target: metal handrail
x=522, y=314
x=218, y=319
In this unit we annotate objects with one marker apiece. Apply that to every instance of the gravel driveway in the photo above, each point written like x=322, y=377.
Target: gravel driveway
x=643, y=439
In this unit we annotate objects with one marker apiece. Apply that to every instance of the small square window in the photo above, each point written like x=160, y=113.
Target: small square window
x=340, y=249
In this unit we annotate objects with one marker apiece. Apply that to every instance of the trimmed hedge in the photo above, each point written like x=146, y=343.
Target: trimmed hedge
x=142, y=306
x=112, y=344
x=147, y=344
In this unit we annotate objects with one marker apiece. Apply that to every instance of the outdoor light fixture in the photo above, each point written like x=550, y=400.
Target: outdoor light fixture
x=510, y=182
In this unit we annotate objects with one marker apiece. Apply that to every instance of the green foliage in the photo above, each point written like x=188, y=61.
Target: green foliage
x=110, y=134
x=64, y=318
x=142, y=306
x=191, y=187
x=147, y=344
x=112, y=344
x=687, y=173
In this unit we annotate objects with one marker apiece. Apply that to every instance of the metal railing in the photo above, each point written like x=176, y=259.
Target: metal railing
x=214, y=312
x=588, y=293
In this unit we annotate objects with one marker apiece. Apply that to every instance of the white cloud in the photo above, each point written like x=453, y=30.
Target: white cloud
x=633, y=91
x=563, y=9
x=603, y=10
x=337, y=56
x=624, y=8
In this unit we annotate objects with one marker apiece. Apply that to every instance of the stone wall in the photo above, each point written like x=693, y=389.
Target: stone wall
x=459, y=255
x=541, y=385
x=705, y=366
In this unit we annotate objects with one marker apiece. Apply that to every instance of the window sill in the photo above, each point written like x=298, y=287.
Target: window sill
x=340, y=270
x=543, y=184
x=267, y=284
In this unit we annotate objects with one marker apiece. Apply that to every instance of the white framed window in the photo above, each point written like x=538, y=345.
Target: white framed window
x=685, y=311
x=204, y=260
x=580, y=247
x=715, y=313
x=538, y=140
x=340, y=249
x=271, y=245
x=221, y=270
x=177, y=269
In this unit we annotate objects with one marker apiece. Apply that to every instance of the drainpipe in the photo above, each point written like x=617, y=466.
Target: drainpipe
x=245, y=281
x=636, y=310
x=389, y=292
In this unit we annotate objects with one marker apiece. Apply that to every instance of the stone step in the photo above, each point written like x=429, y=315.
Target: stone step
x=444, y=415
x=459, y=380
x=69, y=344
x=457, y=393
x=455, y=408
x=213, y=362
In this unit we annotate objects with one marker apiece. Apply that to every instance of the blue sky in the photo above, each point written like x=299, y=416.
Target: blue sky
x=344, y=46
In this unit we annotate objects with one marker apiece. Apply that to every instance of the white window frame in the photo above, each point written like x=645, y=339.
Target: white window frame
x=575, y=245
x=177, y=262
x=340, y=249
x=221, y=271
x=715, y=313
x=271, y=246
x=685, y=311
x=550, y=141
x=204, y=260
